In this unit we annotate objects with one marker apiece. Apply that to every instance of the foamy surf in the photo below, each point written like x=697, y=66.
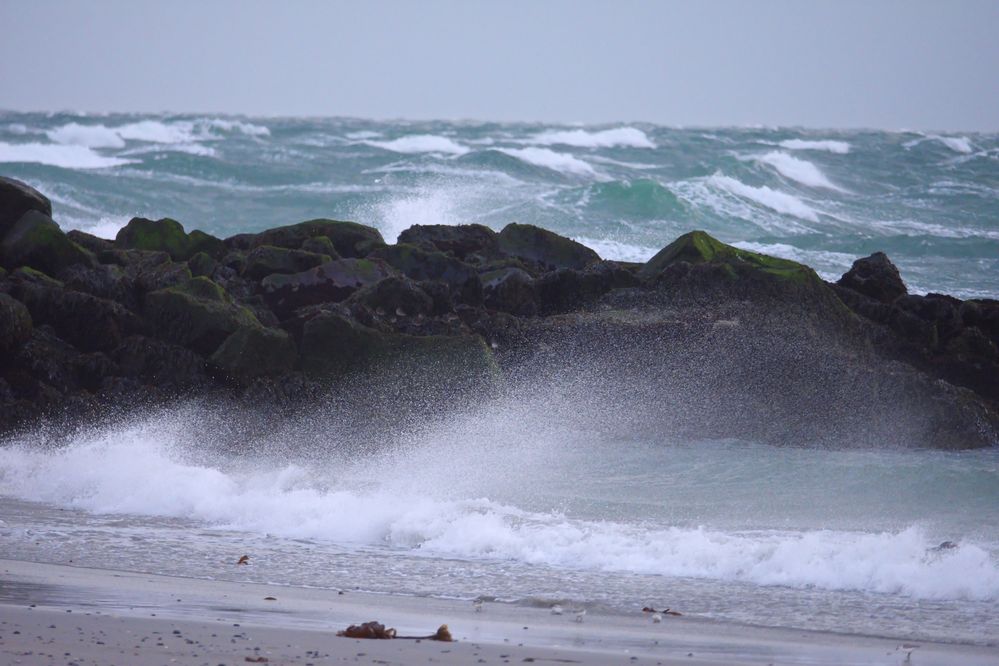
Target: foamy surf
x=610, y=138
x=798, y=170
x=63, y=156
x=775, y=200
x=421, y=143
x=549, y=159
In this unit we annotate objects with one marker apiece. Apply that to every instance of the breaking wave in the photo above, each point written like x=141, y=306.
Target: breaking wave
x=65, y=156
x=798, y=170
x=609, y=138
x=828, y=145
x=775, y=200
x=421, y=143
x=549, y=159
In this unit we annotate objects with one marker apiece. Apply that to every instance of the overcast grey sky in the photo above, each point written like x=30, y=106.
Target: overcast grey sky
x=889, y=64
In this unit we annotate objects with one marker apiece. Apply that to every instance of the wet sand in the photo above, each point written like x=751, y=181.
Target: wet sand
x=55, y=614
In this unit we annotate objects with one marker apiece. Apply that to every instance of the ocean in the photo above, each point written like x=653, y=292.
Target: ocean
x=513, y=499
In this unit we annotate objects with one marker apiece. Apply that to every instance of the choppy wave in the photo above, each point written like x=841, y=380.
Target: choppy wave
x=775, y=200
x=140, y=471
x=798, y=170
x=828, y=145
x=609, y=138
x=550, y=159
x=421, y=143
x=65, y=156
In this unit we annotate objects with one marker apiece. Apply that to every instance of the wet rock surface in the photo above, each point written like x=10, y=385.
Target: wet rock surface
x=704, y=340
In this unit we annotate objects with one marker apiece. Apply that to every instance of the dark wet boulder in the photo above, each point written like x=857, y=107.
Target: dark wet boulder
x=167, y=235
x=15, y=324
x=36, y=241
x=90, y=242
x=331, y=282
x=510, y=290
x=16, y=199
x=198, y=315
x=159, y=363
x=542, y=247
x=351, y=240
x=152, y=271
x=265, y=260
x=417, y=264
x=254, y=351
x=474, y=243
x=52, y=362
x=875, y=277
x=567, y=289
x=395, y=296
x=88, y=322
x=106, y=281
x=320, y=245
x=202, y=265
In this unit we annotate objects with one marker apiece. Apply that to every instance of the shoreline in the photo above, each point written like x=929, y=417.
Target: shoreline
x=116, y=613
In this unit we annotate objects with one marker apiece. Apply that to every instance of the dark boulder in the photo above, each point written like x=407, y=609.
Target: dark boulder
x=567, y=289
x=350, y=239
x=15, y=325
x=266, y=260
x=461, y=278
x=395, y=296
x=468, y=242
x=198, y=315
x=320, y=245
x=254, y=351
x=167, y=235
x=542, y=247
x=16, y=199
x=875, y=277
x=36, y=241
x=510, y=290
x=331, y=282
x=202, y=265
x=90, y=242
x=159, y=363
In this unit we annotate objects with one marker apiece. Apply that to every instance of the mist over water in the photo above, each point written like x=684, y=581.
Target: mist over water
x=821, y=197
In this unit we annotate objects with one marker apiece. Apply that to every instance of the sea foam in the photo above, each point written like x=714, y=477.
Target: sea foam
x=610, y=138
x=775, y=200
x=65, y=156
x=421, y=143
x=142, y=470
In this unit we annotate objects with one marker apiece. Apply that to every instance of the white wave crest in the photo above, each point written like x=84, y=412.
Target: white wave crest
x=798, y=170
x=227, y=125
x=775, y=200
x=91, y=136
x=549, y=159
x=67, y=157
x=136, y=471
x=421, y=143
x=828, y=145
x=621, y=136
x=959, y=144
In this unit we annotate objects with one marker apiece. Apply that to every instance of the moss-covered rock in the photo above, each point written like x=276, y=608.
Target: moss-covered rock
x=15, y=324
x=510, y=290
x=201, y=264
x=254, y=351
x=196, y=314
x=698, y=247
x=350, y=239
x=331, y=282
x=467, y=242
x=167, y=235
x=266, y=260
x=395, y=295
x=420, y=265
x=335, y=346
x=36, y=241
x=320, y=245
x=16, y=199
x=542, y=247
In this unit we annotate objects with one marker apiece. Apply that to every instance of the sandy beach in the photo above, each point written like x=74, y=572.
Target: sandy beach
x=56, y=614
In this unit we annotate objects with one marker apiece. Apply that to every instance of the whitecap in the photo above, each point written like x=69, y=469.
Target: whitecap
x=959, y=144
x=828, y=145
x=798, y=170
x=549, y=159
x=227, y=125
x=91, y=136
x=775, y=200
x=154, y=131
x=621, y=136
x=421, y=143
x=67, y=157
x=363, y=134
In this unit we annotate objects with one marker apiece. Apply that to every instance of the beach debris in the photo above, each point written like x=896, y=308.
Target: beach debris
x=580, y=614
x=257, y=660
x=556, y=610
x=477, y=603
x=657, y=618
x=375, y=629
x=270, y=598
x=650, y=609
x=245, y=559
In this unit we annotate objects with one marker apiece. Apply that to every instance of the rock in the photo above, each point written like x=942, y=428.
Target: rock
x=545, y=248
x=202, y=265
x=254, y=351
x=16, y=199
x=167, y=235
x=36, y=241
x=467, y=242
x=350, y=239
x=320, y=245
x=567, y=289
x=462, y=279
x=331, y=282
x=266, y=260
x=58, y=365
x=15, y=325
x=875, y=277
x=107, y=281
x=159, y=363
x=511, y=290
x=395, y=296
x=152, y=271
x=89, y=242
x=197, y=315
x=88, y=322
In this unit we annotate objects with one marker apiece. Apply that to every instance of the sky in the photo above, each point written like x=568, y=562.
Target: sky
x=880, y=64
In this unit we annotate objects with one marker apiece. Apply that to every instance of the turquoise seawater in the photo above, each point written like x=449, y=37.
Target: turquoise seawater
x=823, y=197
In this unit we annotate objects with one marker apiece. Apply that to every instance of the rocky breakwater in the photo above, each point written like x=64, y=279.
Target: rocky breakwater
x=704, y=340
